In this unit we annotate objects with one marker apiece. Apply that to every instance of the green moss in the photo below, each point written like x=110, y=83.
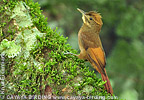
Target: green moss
x=41, y=60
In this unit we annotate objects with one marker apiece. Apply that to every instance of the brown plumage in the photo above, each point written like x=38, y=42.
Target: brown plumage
x=90, y=44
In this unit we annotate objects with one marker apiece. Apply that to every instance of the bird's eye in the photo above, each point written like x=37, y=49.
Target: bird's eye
x=90, y=18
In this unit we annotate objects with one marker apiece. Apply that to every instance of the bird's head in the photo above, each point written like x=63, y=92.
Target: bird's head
x=91, y=18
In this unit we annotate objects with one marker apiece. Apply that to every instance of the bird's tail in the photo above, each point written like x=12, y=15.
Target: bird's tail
x=107, y=84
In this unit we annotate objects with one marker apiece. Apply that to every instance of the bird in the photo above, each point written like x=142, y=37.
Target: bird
x=90, y=45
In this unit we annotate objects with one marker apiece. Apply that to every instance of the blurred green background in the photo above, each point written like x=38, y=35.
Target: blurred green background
x=122, y=36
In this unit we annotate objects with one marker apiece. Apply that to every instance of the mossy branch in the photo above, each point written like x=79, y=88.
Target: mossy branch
x=34, y=59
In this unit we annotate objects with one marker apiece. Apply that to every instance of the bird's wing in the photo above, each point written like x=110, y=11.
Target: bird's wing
x=94, y=51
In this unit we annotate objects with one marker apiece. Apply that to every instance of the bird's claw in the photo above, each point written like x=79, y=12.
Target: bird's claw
x=69, y=53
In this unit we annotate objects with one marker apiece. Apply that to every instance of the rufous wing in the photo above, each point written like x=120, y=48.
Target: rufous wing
x=97, y=58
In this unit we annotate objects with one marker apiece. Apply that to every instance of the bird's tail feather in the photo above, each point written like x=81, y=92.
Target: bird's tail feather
x=107, y=84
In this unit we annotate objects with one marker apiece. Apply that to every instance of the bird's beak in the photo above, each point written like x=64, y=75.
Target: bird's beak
x=81, y=11
x=84, y=17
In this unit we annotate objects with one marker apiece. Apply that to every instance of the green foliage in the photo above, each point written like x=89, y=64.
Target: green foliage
x=34, y=55
x=127, y=53
x=132, y=24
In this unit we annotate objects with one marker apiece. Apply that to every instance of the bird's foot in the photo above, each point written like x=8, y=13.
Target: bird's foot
x=69, y=53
